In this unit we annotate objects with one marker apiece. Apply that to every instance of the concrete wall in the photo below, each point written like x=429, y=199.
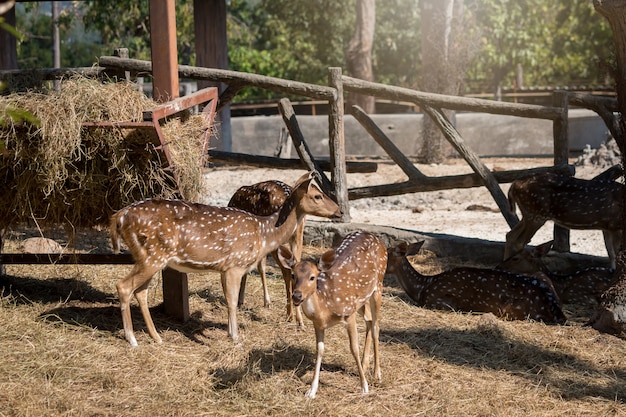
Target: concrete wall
x=486, y=134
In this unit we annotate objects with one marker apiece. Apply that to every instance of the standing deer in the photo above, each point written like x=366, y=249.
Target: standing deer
x=570, y=202
x=263, y=199
x=191, y=237
x=346, y=280
x=581, y=287
x=505, y=294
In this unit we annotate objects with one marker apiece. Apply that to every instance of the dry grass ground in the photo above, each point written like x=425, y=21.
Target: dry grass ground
x=62, y=353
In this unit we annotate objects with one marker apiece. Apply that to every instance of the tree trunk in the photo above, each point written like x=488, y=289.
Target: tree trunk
x=611, y=316
x=442, y=67
x=212, y=52
x=8, y=52
x=359, y=52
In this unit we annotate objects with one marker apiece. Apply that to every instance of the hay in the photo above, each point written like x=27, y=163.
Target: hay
x=62, y=352
x=59, y=172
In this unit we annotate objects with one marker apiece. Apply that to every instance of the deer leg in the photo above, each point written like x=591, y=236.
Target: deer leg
x=374, y=304
x=366, y=312
x=266, y=294
x=126, y=287
x=141, y=294
x=319, y=340
x=231, y=282
x=291, y=309
x=370, y=312
x=520, y=235
x=353, y=336
x=295, y=242
x=242, y=290
x=612, y=240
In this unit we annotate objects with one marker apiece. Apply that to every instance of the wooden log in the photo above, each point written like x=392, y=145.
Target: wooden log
x=449, y=102
x=262, y=161
x=605, y=107
x=66, y=258
x=337, y=143
x=474, y=161
x=560, y=133
x=388, y=146
x=228, y=77
x=289, y=117
x=53, y=73
x=447, y=183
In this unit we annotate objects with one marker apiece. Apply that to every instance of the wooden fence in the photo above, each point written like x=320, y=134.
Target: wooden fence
x=431, y=104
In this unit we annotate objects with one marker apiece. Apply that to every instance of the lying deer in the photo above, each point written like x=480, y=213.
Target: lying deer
x=505, y=294
x=191, y=237
x=570, y=202
x=263, y=199
x=346, y=280
x=581, y=287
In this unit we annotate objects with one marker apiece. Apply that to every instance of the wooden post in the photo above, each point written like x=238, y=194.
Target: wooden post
x=289, y=117
x=561, y=155
x=163, y=49
x=337, y=143
x=164, y=88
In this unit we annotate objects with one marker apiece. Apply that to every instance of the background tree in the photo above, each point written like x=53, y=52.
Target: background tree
x=359, y=52
x=443, y=65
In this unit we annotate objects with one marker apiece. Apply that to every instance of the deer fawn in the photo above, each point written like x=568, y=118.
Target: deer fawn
x=191, y=237
x=263, y=199
x=581, y=287
x=570, y=202
x=346, y=280
x=505, y=294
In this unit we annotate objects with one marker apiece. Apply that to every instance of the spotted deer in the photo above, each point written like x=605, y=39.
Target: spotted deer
x=263, y=199
x=570, y=202
x=346, y=280
x=505, y=294
x=191, y=237
x=584, y=287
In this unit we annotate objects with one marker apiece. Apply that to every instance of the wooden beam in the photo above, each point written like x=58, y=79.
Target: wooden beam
x=262, y=161
x=163, y=50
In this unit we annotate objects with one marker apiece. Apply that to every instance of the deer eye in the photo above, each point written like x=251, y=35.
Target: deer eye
x=312, y=278
x=318, y=197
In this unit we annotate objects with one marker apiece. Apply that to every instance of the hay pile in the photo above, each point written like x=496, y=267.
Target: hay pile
x=55, y=171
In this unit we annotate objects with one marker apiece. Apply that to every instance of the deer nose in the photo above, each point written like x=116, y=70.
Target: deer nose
x=296, y=297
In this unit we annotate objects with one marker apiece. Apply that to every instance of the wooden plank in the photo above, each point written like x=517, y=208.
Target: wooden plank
x=388, y=146
x=449, y=102
x=182, y=103
x=307, y=158
x=318, y=92
x=55, y=258
x=119, y=125
x=337, y=143
x=175, y=294
x=560, y=134
x=453, y=136
x=263, y=161
x=447, y=183
x=163, y=50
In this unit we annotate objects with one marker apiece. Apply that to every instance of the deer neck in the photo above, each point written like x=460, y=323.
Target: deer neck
x=411, y=281
x=280, y=226
x=316, y=310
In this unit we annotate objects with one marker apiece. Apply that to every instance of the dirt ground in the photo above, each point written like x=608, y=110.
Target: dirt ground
x=462, y=212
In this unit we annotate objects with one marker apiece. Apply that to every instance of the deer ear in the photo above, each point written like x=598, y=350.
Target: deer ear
x=306, y=177
x=327, y=260
x=414, y=248
x=543, y=249
x=286, y=258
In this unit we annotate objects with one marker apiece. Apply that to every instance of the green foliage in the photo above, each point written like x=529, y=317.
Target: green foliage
x=555, y=42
